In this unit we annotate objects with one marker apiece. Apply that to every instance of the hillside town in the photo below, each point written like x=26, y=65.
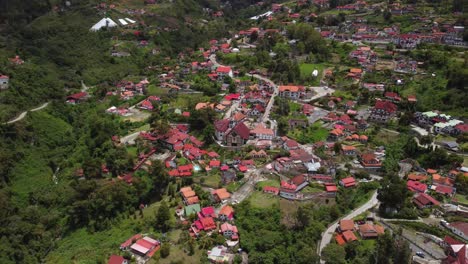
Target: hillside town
x=310, y=119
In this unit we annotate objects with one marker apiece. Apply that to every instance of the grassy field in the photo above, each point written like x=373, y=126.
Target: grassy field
x=386, y=137
x=294, y=107
x=132, y=151
x=307, y=69
x=263, y=200
x=463, y=199
x=312, y=134
x=312, y=189
x=212, y=180
x=158, y=91
x=272, y=183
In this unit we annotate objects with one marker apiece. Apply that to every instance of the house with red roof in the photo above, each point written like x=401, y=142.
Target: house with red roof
x=369, y=231
x=208, y=211
x=289, y=189
x=271, y=189
x=221, y=127
x=114, y=259
x=307, y=109
x=348, y=182
x=392, y=96
x=331, y=189
x=340, y=239
x=416, y=186
x=222, y=71
x=423, y=200
x=4, y=79
x=229, y=231
x=220, y=195
x=293, y=92
x=383, y=111
x=370, y=161
x=459, y=228
x=146, y=105
x=348, y=150
x=349, y=236
x=456, y=251
x=215, y=163
x=77, y=98
x=238, y=135
x=144, y=247
x=226, y=213
x=290, y=144
x=346, y=225
x=444, y=189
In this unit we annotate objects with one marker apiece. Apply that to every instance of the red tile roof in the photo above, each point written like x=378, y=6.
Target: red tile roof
x=348, y=182
x=346, y=225
x=349, y=236
x=423, y=199
x=386, y=106
x=114, y=259
x=222, y=125
x=270, y=189
x=242, y=130
x=416, y=186
x=340, y=240
x=223, y=69
x=331, y=188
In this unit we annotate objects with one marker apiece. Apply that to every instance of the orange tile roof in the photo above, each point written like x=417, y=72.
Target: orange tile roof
x=290, y=88
x=349, y=236
x=222, y=193
x=340, y=240
x=226, y=210
x=346, y=225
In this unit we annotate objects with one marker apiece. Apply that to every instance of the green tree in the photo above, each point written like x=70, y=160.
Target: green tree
x=163, y=217
x=334, y=254
x=165, y=250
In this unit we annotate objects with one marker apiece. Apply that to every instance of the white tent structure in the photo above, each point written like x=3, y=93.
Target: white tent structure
x=105, y=22
x=123, y=22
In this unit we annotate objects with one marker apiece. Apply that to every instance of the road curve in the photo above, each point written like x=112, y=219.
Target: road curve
x=23, y=114
x=328, y=234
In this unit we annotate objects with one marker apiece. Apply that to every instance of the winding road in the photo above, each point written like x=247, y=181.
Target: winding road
x=328, y=234
x=23, y=114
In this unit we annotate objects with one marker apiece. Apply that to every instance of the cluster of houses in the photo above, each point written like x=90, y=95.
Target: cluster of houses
x=431, y=182
x=347, y=230
x=291, y=189
x=440, y=123
x=208, y=219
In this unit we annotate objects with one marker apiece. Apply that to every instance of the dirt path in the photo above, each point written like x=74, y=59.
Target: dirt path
x=23, y=114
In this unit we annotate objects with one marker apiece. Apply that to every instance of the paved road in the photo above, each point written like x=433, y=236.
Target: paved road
x=328, y=234
x=245, y=190
x=266, y=115
x=23, y=114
